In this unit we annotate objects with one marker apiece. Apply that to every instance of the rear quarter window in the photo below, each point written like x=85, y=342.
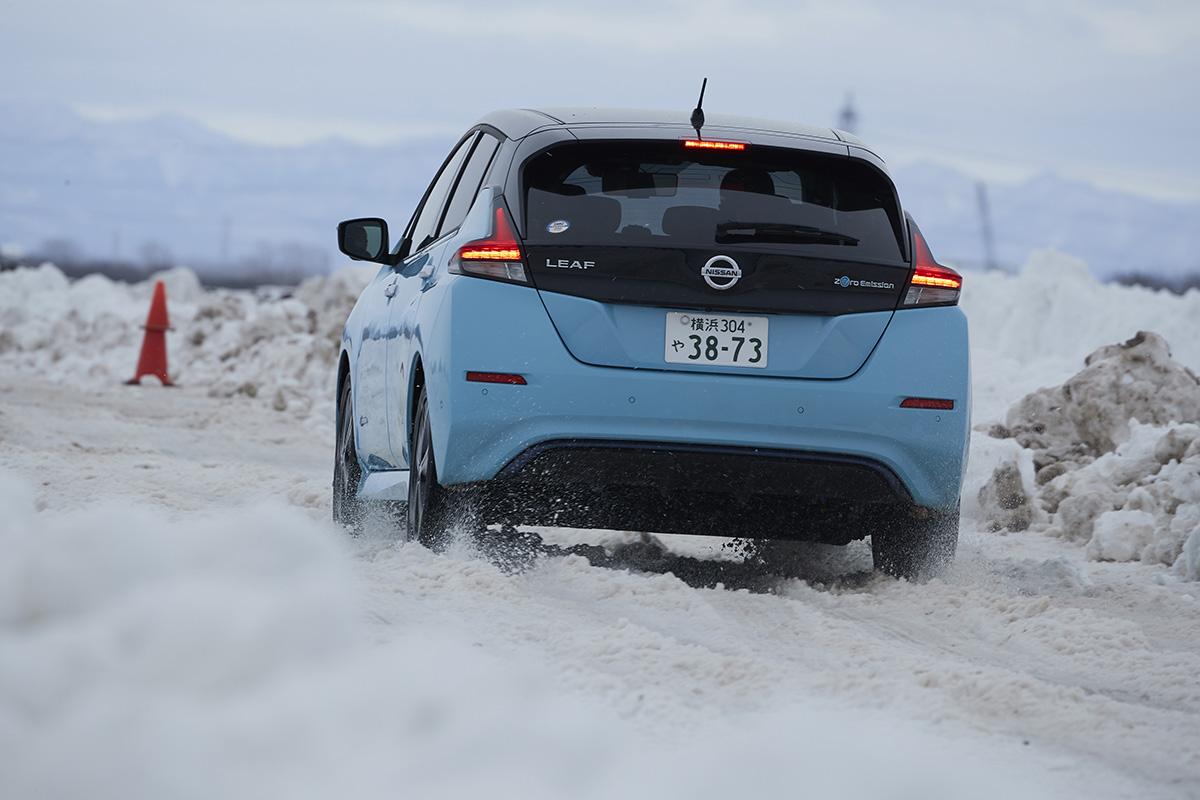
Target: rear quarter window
x=469, y=183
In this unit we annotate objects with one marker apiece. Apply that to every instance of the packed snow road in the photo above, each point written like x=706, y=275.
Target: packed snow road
x=179, y=619
x=185, y=623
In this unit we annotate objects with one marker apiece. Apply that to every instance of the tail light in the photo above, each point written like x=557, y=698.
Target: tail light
x=931, y=283
x=498, y=255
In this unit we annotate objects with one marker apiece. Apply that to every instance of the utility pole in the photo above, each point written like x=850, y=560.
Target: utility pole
x=985, y=227
x=225, y=225
x=848, y=117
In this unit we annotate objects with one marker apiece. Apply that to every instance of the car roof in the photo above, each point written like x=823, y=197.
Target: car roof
x=519, y=123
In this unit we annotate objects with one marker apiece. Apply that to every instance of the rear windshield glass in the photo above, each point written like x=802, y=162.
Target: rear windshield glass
x=661, y=194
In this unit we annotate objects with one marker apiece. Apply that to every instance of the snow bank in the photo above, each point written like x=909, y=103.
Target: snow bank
x=1090, y=413
x=88, y=332
x=1140, y=502
x=1116, y=450
x=231, y=656
x=1077, y=450
x=1027, y=330
x=1033, y=329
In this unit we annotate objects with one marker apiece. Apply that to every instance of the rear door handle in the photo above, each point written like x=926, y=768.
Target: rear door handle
x=390, y=289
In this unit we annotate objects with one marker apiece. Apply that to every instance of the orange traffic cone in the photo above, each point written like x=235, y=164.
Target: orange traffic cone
x=153, y=360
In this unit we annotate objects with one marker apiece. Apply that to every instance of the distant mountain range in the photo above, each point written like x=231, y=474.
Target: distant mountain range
x=1114, y=232
x=170, y=189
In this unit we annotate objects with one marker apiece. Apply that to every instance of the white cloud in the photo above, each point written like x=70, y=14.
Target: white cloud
x=1029, y=83
x=674, y=26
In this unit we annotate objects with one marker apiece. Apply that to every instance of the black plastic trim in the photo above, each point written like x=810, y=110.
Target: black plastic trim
x=689, y=488
x=514, y=467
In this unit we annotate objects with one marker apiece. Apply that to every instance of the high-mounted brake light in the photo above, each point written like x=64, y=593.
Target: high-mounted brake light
x=712, y=144
x=498, y=256
x=931, y=283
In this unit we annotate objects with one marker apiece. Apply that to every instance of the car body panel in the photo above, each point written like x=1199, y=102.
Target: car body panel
x=479, y=428
x=800, y=345
x=369, y=332
x=412, y=278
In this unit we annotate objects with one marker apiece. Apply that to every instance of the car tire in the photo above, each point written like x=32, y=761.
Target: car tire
x=347, y=471
x=428, y=513
x=917, y=546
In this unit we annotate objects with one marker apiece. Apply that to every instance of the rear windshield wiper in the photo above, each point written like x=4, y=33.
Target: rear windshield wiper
x=728, y=232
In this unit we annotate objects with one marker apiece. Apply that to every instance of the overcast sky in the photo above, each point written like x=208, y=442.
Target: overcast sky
x=1105, y=91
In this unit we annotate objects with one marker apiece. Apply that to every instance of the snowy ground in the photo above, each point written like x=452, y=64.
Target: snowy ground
x=178, y=619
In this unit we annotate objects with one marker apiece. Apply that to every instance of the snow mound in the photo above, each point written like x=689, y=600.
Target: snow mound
x=1005, y=501
x=181, y=284
x=1117, y=453
x=1139, y=503
x=1034, y=328
x=279, y=348
x=1089, y=414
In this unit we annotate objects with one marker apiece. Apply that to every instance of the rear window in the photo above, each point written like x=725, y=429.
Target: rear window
x=657, y=194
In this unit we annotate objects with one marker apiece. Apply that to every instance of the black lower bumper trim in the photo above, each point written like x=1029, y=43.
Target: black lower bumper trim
x=699, y=489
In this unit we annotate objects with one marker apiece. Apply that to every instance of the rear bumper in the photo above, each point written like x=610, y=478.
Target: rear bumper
x=481, y=429
x=685, y=488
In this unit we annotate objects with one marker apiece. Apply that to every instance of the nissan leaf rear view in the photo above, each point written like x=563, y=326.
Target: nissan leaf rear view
x=601, y=319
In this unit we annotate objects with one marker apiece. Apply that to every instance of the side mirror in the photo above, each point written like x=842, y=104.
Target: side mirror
x=364, y=239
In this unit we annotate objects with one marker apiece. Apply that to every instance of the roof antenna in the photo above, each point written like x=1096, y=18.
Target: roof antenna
x=698, y=111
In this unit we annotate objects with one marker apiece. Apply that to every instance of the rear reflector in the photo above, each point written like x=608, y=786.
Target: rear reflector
x=710, y=144
x=927, y=402
x=496, y=377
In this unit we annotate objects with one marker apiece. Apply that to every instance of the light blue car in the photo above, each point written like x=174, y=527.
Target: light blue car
x=609, y=319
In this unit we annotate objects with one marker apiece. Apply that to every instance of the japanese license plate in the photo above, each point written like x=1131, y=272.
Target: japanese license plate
x=724, y=339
